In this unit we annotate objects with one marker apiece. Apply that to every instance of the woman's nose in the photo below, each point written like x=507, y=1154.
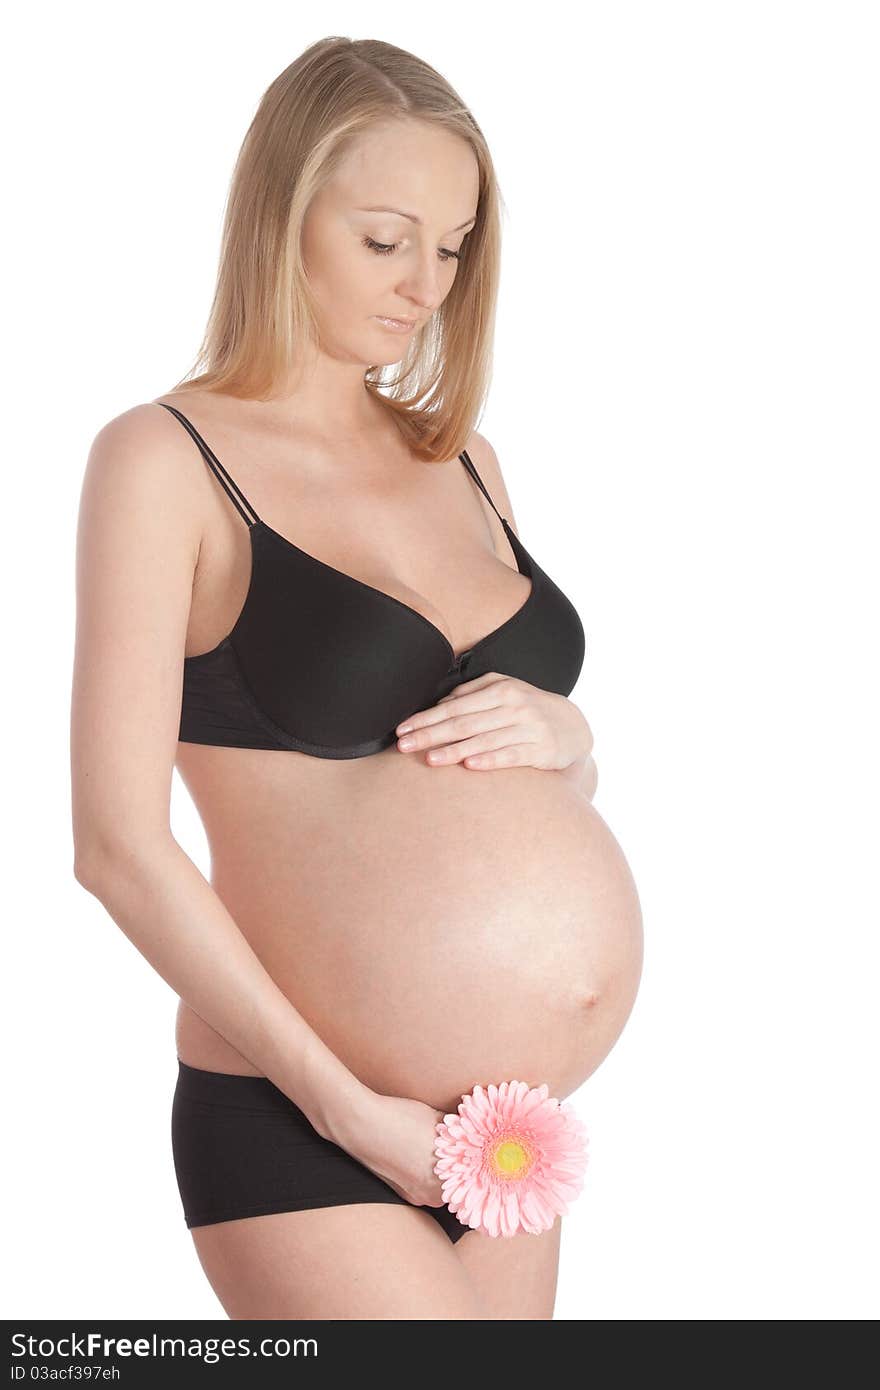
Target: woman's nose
x=422, y=285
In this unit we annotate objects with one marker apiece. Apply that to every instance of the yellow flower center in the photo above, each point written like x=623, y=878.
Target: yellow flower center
x=510, y=1157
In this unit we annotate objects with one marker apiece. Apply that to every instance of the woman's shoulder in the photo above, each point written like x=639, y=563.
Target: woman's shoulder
x=488, y=466
x=144, y=426
x=142, y=457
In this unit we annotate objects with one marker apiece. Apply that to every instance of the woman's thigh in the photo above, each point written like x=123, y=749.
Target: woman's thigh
x=515, y=1275
x=366, y=1261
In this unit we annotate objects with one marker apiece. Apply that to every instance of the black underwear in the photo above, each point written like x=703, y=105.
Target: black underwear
x=242, y=1148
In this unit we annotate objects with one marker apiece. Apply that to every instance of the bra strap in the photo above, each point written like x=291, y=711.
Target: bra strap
x=469, y=465
x=231, y=488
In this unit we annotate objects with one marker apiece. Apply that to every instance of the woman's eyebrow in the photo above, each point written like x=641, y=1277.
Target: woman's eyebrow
x=412, y=217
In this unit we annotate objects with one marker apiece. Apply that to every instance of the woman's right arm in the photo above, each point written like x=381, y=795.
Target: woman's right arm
x=138, y=541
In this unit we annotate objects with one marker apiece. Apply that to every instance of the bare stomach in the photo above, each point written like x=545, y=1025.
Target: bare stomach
x=436, y=926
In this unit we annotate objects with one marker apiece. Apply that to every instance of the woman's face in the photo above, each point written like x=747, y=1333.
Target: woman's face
x=416, y=169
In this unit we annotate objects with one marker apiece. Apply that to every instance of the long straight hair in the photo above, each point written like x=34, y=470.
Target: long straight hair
x=262, y=308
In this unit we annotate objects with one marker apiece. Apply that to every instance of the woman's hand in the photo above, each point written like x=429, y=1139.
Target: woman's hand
x=499, y=721
x=394, y=1137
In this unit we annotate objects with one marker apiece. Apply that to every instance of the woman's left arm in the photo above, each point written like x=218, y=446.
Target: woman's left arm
x=497, y=720
x=501, y=721
x=583, y=774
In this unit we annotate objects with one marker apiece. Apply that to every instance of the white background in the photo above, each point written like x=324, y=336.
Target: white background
x=685, y=406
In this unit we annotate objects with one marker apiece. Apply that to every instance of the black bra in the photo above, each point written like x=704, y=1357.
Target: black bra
x=322, y=663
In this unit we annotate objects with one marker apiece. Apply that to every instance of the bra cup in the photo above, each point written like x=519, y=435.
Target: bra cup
x=548, y=649
x=546, y=644
x=330, y=662
x=547, y=652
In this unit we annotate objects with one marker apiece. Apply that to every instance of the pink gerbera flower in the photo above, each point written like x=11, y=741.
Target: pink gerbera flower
x=511, y=1159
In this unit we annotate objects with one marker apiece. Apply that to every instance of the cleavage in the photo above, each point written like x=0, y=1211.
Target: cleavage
x=463, y=561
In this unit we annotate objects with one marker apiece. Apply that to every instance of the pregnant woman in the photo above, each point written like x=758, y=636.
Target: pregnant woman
x=300, y=581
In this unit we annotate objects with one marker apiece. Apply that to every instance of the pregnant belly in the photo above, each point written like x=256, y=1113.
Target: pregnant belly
x=450, y=927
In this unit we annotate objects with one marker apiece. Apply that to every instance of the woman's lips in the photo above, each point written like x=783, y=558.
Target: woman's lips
x=395, y=325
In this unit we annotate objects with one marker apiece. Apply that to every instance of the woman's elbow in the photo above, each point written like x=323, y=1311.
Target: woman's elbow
x=99, y=856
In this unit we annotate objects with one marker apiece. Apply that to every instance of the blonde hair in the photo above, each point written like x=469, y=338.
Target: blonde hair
x=305, y=123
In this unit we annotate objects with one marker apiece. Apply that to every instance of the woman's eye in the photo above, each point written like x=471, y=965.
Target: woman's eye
x=383, y=250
